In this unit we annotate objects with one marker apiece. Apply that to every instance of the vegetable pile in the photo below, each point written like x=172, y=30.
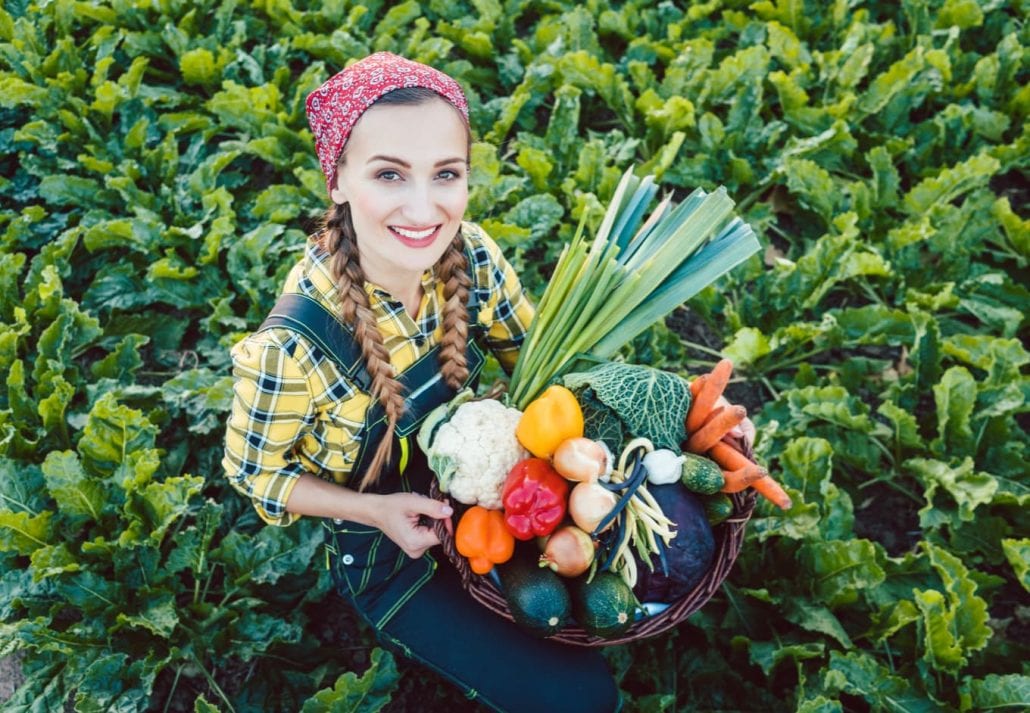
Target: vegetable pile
x=603, y=294
x=592, y=514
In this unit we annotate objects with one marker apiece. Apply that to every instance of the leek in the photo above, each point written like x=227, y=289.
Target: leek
x=606, y=291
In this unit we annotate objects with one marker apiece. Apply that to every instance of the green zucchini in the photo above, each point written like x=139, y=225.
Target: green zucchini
x=718, y=507
x=701, y=475
x=605, y=606
x=536, y=596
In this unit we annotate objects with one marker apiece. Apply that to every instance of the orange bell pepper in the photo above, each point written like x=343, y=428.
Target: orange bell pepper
x=483, y=538
x=550, y=419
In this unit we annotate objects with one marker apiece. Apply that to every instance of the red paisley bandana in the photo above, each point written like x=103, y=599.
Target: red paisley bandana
x=335, y=107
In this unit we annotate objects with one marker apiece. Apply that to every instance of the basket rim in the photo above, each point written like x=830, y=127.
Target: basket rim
x=729, y=537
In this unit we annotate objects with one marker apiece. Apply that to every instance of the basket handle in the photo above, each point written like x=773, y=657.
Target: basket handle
x=447, y=540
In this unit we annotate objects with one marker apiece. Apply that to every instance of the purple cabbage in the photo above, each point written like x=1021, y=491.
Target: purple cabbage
x=690, y=554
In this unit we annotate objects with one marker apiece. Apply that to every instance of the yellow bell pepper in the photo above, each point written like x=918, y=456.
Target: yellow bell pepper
x=550, y=419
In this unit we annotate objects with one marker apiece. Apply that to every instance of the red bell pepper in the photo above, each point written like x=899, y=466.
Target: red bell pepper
x=535, y=498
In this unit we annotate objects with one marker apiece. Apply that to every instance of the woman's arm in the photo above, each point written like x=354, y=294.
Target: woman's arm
x=272, y=407
x=398, y=515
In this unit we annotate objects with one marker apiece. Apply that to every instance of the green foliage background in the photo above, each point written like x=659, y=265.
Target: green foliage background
x=158, y=180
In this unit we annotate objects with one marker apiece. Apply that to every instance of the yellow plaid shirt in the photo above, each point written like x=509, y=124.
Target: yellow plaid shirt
x=294, y=412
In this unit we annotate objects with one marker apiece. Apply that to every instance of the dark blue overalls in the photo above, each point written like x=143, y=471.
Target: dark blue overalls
x=418, y=607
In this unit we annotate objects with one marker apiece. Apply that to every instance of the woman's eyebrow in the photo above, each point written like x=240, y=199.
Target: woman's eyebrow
x=400, y=162
x=449, y=161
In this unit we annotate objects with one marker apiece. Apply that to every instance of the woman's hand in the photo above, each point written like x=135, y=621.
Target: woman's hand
x=741, y=436
x=406, y=518
x=401, y=517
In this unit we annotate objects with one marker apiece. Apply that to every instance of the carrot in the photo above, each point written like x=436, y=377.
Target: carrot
x=771, y=491
x=696, y=384
x=709, y=394
x=712, y=414
x=711, y=432
x=728, y=457
x=737, y=480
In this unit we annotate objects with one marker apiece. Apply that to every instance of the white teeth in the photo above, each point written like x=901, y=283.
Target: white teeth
x=415, y=234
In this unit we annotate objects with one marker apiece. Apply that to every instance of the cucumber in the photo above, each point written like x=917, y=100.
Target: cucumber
x=718, y=507
x=605, y=606
x=536, y=596
x=701, y=475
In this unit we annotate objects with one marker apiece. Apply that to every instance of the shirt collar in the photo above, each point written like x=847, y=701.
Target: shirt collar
x=318, y=269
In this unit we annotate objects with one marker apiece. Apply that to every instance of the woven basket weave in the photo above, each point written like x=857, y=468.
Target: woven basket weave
x=729, y=535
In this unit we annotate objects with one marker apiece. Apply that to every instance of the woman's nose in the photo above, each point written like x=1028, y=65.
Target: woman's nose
x=420, y=206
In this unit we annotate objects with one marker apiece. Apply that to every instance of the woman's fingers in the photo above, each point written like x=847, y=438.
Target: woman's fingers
x=448, y=523
x=747, y=426
x=420, y=542
x=415, y=533
x=408, y=521
x=743, y=434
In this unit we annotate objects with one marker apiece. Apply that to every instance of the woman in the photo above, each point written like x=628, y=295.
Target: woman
x=323, y=418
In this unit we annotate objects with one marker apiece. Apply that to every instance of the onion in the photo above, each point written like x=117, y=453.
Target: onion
x=581, y=459
x=569, y=551
x=589, y=503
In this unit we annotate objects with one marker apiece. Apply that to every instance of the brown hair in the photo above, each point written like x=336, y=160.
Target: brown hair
x=340, y=241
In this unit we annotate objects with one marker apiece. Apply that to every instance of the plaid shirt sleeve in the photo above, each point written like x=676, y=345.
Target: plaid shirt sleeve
x=272, y=408
x=505, y=310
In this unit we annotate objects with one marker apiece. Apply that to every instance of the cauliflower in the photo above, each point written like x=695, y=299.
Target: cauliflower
x=471, y=446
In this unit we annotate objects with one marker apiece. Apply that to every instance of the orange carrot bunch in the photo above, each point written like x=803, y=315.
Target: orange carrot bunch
x=707, y=424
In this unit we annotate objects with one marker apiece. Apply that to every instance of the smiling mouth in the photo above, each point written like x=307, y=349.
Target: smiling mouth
x=415, y=234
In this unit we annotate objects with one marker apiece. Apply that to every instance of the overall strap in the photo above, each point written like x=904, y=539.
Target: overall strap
x=309, y=318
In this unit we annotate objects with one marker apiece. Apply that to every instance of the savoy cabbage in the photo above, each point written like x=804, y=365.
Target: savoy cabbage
x=650, y=403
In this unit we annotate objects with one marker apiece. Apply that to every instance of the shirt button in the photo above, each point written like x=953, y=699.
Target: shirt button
x=348, y=559
x=338, y=520
x=420, y=340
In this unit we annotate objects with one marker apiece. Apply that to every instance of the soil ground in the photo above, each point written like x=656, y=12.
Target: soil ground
x=10, y=676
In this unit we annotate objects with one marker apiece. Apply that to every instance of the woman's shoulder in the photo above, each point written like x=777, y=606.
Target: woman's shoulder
x=477, y=238
x=485, y=254
x=277, y=348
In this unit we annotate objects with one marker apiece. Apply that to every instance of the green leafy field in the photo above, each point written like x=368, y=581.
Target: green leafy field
x=158, y=180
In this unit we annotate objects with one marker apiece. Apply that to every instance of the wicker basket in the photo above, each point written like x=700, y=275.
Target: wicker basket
x=729, y=535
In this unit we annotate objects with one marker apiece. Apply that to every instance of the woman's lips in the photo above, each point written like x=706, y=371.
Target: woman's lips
x=415, y=237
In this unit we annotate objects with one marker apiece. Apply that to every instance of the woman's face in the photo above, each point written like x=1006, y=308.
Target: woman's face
x=405, y=175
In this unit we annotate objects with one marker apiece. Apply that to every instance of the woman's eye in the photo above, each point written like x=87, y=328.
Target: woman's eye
x=388, y=175
x=449, y=175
